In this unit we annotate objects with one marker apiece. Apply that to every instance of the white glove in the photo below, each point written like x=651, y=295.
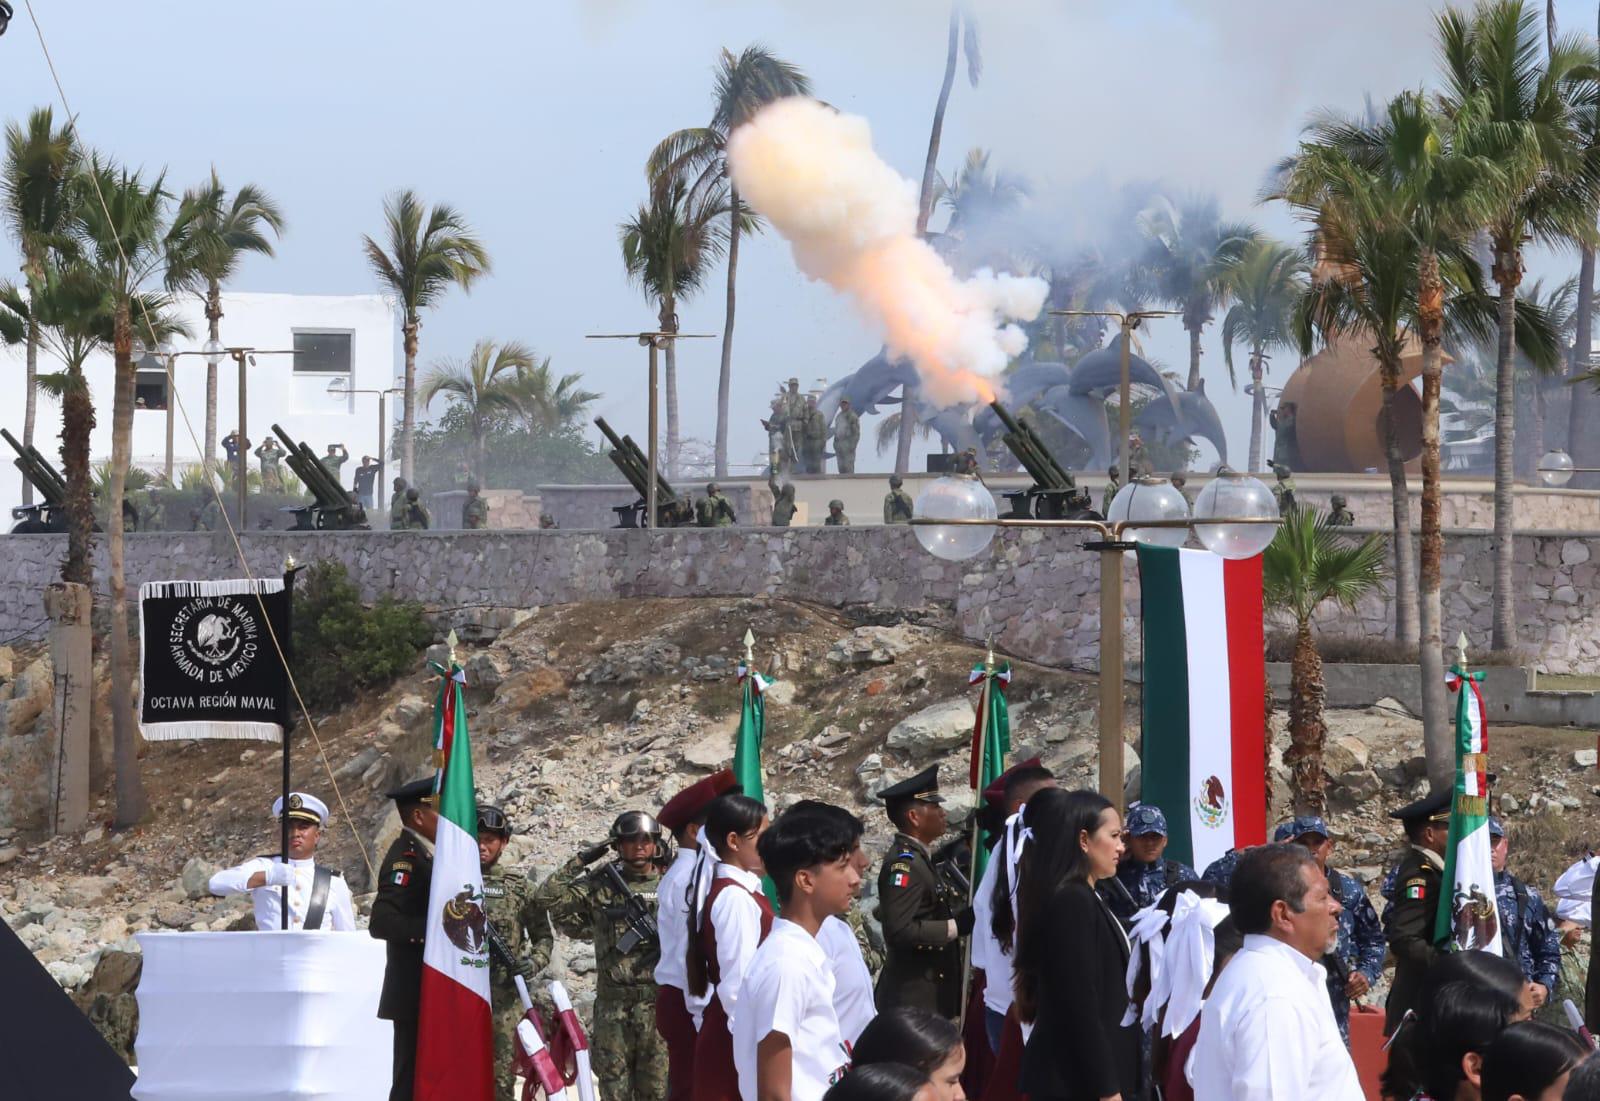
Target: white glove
x=280, y=875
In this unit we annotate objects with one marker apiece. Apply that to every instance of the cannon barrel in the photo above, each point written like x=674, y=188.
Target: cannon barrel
x=625, y=458
x=334, y=507
x=664, y=490
x=37, y=469
x=1031, y=452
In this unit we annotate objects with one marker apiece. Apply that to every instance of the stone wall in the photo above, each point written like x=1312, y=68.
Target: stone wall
x=1035, y=590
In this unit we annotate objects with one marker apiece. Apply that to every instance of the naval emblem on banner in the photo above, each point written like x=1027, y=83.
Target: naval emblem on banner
x=208, y=664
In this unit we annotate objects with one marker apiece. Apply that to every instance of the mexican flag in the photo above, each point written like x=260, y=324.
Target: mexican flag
x=1204, y=747
x=752, y=727
x=991, y=739
x=1470, y=918
x=455, y=1045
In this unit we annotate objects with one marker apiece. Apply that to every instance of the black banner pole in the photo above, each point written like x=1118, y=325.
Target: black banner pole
x=286, y=718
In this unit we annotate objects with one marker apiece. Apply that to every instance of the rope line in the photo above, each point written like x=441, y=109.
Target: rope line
x=206, y=464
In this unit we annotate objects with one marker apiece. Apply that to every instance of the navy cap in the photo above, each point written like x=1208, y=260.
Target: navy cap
x=1145, y=819
x=1309, y=823
x=1284, y=831
x=417, y=791
x=1496, y=827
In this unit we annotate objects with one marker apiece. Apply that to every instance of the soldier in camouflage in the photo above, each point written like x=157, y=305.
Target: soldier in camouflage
x=630, y=1060
x=521, y=946
x=1527, y=935
x=1357, y=960
x=1144, y=873
x=474, y=510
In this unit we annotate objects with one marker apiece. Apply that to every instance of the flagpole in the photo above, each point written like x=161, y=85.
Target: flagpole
x=288, y=720
x=977, y=805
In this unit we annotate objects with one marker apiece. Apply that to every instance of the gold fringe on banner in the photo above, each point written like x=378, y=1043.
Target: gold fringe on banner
x=1471, y=806
x=1475, y=762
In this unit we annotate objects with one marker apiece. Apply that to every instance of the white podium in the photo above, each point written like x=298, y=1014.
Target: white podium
x=262, y=1017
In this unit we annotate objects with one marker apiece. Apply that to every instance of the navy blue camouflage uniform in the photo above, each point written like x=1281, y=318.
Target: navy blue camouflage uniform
x=1527, y=935
x=1145, y=883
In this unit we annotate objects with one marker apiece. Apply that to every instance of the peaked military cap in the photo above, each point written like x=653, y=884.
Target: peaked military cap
x=689, y=803
x=1433, y=807
x=921, y=788
x=417, y=791
x=301, y=808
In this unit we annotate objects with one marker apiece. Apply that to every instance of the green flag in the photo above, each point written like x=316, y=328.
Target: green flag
x=752, y=726
x=991, y=740
x=1467, y=914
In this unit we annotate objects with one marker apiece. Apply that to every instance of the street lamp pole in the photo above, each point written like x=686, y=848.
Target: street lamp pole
x=655, y=341
x=338, y=389
x=1127, y=322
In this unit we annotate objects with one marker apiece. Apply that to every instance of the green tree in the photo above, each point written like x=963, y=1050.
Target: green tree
x=485, y=383
x=1308, y=564
x=519, y=455
x=1525, y=121
x=697, y=157
x=214, y=232
x=122, y=230
x=36, y=193
x=1265, y=284
x=547, y=402
x=428, y=252
x=1187, y=255
x=669, y=247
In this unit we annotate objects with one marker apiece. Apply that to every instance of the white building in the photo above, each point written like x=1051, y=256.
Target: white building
x=345, y=339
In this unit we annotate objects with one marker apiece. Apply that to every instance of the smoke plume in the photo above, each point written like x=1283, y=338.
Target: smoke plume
x=852, y=223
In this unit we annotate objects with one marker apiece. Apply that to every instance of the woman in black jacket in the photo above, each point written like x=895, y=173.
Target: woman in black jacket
x=1072, y=955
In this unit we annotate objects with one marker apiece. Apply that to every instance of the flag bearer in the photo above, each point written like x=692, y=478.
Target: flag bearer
x=400, y=918
x=1409, y=921
x=319, y=898
x=522, y=940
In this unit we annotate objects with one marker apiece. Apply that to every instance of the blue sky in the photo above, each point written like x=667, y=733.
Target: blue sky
x=535, y=118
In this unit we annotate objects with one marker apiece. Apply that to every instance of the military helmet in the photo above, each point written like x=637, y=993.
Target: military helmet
x=1338, y=500
x=895, y=481
x=634, y=823
x=493, y=820
x=711, y=487
x=412, y=494
x=472, y=485
x=836, y=504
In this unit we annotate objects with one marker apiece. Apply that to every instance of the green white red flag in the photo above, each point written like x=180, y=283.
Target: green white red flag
x=991, y=738
x=752, y=729
x=1204, y=754
x=1469, y=917
x=455, y=1041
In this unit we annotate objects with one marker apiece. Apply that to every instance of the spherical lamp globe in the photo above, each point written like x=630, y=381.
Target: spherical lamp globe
x=1555, y=469
x=954, y=497
x=1150, y=498
x=212, y=350
x=137, y=350
x=1235, y=496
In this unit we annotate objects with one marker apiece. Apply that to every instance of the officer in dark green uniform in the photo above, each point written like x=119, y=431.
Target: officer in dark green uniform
x=1409, y=921
x=923, y=919
x=400, y=917
x=630, y=1059
x=521, y=945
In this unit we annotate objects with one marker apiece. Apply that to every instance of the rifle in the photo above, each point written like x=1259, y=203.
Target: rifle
x=498, y=950
x=641, y=922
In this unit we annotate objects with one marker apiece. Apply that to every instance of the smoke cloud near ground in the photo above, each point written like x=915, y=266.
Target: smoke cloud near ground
x=851, y=221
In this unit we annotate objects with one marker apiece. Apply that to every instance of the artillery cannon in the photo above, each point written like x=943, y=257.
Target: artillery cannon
x=672, y=510
x=50, y=514
x=335, y=508
x=1054, y=494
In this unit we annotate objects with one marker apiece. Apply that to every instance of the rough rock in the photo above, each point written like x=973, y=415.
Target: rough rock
x=866, y=646
x=30, y=695
x=1356, y=786
x=1583, y=758
x=196, y=877
x=1509, y=803
x=781, y=693
x=1344, y=753
x=485, y=671
x=934, y=729
x=710, y=752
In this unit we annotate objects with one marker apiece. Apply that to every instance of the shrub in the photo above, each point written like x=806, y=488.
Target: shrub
x=340, y=644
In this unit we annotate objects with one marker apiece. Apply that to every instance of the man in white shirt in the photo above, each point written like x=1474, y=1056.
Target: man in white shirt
x=1009, y=793
x=319, y=898
x=787, y=1045
x=1267, y=1031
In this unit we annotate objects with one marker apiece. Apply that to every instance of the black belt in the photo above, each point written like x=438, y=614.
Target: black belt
x=321, y=879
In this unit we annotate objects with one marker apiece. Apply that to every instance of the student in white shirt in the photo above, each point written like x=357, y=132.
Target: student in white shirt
x=853, y=1001
x=678, y=1013
x=786, y=1040
x=319, y=898
x=1267, y=1031
x=727, y=929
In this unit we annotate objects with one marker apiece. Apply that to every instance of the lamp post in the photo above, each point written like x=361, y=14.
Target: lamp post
x=338, y=389
x=1127, y=322
x=243, y=356
x=655, y=341
x=1235, y=516
x=213, y=355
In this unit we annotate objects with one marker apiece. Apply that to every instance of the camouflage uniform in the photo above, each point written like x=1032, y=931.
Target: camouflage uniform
x=518, y=917
x=714, y=511
x=870, y=940
x=1361, y=945
x=1528, y=936
x=846, y=436
x=1220, y=870
x=1146, y=883
x=813, y=438
x=475, y=513
x=630, y=1060
x=897, y=506
x=397, y=510
x=271, y=476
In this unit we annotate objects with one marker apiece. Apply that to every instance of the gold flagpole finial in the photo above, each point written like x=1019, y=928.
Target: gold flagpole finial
x=749, y=648
x=988, y=657
x=450, y=640
x=288, y=563
x=1461, y=650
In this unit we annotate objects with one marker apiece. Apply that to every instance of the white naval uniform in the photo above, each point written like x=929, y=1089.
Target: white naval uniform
x=339, y=916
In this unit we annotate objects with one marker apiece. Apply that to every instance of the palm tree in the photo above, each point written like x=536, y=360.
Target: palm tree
x=698, y=157
x=668, y=248
x=214, y=233
x=1307, y=564
x=1185, y=263
x=428, y=253
x=1493, y=61
x=123, y=231
x=1560, y=305
x=1403, y=198
x=40, y=160
x=1265, y=283
x=547, y=402
x=486, y=384
x=979, y=196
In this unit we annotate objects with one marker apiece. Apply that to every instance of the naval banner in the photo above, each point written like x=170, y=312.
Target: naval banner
x=209, y=659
